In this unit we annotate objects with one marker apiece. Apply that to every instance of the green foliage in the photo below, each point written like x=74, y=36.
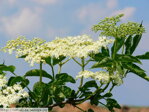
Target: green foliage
x=117, y=61
x=90, y=110
x=36, y=72
x=10, y=68
x=14, y=80
x=64, y=77
x=112, y=103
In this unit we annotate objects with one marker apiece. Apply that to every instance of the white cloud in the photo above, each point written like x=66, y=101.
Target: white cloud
x=128, y=12
x=112, y=3
x=45, y=2
x=91, y=13
x=25, y=22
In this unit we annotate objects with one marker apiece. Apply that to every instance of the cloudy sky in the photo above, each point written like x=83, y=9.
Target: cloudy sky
x=50, y=18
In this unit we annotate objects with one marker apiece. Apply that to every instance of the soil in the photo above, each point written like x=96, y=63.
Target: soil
x=85, y=106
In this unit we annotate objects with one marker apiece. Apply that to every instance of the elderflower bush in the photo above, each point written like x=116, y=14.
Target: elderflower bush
x=10, y=94
x=111, y=54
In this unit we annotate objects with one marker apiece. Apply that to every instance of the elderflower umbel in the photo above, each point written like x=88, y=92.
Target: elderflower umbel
x=3, y=81
x=117, y=79
x=101, y=76
x=109, y=27
x=72, y=47
x=10, y=94
x=21, y=45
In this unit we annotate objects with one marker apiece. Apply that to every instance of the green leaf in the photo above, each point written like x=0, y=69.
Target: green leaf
x=14, y=80
x=66, y=91
x=128, y=45
x=106, y=62
x=133, y=67
x=36, y=72
x=97, y=57
x=64, y=77
x=56, y=61
x=23, y=56
x=95, y=99
x=24, y=83
x=136, y=70
x=108, y=95
x=105, y=51
x=90, y=110
x=127, y=58
x=10, y=68
x=119, y=42
x=89, y=84
x=111, y=104
x=144, y=56
x=136, y=41
x=48, y=60
x=9, y=81
x=45, y=96
x=39, y=89
x=119, y=68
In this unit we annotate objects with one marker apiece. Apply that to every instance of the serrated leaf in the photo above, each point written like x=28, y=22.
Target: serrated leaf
x=133, y=67
x=36, y=72
x=64, y=77
x=136, y=41
x=90, y=84
x=39, y=88
x=112, y=103
x=66, y=91
x=10, y=68
x=14, y=80
x=108, y=95
x=144, y=56
x=119, y=42
x=119, y=68
x=127, y=58
x=98, y=56
x=106, y=62
x=128, y=45
x=56, y=61
x=136, y=70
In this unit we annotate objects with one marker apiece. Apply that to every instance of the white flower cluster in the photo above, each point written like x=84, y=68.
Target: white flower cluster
x=21, y=45
x=10, y=94
x=101, y=76
x=79, y=46
x=117, y=79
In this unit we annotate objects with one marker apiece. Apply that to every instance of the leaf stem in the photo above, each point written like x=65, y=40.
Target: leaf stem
x=79, y=108
x=112, y=87
x=81, y=82
x=53, y=74
x=40, y=72
x=123, y=49
x=77, y=62
x=59, y=69
x=66, y=61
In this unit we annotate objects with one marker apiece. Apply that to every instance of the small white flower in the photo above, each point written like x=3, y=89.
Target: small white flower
x=101, y=76
x=11, y=94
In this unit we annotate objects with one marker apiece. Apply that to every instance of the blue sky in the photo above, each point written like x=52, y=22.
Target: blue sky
x=50, y=18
